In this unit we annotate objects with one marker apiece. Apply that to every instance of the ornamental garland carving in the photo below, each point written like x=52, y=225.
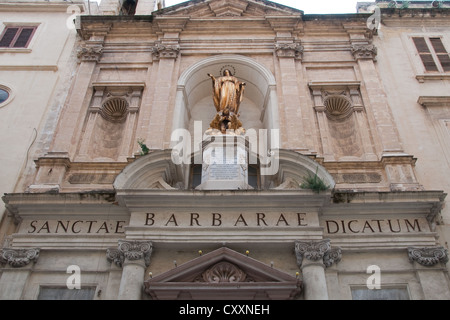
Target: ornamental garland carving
x=130, y=250
x=317, y=251
x=364, y=51
x=17, y=258
x=428, y=256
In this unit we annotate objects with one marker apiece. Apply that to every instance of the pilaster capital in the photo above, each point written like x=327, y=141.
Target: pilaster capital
x=289, y=50
x=89, y=52
x=166, y=51
x=317, y=251
x=17, y=258
x=364, y=51
x=130, y=251
x=428, y=256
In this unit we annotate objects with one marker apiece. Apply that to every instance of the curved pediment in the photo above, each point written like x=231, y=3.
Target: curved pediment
x=153, y=171
x=295, y=168
x=223, y=273
x=157, y=171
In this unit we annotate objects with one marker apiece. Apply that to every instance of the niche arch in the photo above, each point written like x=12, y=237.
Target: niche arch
x=259, y=110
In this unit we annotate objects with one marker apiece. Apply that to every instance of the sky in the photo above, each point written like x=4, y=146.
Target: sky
x=308, y=6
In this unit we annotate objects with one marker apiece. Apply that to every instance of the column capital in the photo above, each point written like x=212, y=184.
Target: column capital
x=130, y=251
x=428, y=256
x=364, y=51
x=17, y=258
x=317, y=251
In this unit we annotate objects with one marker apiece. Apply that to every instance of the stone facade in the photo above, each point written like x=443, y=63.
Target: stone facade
x=114, y=196
x=35, y=78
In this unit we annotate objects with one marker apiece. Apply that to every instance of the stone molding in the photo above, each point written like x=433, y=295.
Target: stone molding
x=18, y=258
x=428, y=256
x=317, y=251
x=364, y=51
x=289, y=50
x=131, y=251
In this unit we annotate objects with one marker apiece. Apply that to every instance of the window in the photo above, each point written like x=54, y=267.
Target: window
x=129, y=7
x=433, y=54
x=16, y=37
x=4, y=95
x=381, y=294
x=48, y=293
x=196, y=176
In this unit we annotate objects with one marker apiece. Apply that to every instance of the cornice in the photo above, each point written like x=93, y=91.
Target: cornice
x=434, y=101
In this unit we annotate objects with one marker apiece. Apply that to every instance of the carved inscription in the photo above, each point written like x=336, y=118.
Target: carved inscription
x=224, y=172
x=75, y=227
x=238, y=220
x=373, y=226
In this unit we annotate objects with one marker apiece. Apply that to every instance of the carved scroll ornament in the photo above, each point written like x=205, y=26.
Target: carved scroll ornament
x=17, y=258
x=317, y=251
x=131, y=251
x=428, y=256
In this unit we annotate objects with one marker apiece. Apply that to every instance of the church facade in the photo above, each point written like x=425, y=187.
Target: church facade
x=241, y=150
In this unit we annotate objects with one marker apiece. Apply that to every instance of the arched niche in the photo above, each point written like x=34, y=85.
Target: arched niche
x=194, y=102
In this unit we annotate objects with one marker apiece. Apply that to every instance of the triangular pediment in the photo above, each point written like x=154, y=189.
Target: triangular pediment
x=229, y=8
x=219, y=273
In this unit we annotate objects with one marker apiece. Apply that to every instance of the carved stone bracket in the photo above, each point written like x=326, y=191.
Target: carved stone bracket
x=166, y=51
x=428, y=256
x=289, y=50
x=131, y=251
x=364, y=51
x=90, y=53
x=17, y=258
x=317, y=251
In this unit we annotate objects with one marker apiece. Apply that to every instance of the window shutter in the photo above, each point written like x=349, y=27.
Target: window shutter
x=8, y=37
x=441, y=52
x=24, y=38
x=425, y=54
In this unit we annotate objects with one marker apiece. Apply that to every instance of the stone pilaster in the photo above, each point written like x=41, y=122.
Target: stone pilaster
x=134, y=258
x=312, y=258
x=428, y=265
x=365, y=54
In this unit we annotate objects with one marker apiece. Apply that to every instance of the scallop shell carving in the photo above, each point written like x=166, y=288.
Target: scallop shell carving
x=115, y=110
x=338, y=107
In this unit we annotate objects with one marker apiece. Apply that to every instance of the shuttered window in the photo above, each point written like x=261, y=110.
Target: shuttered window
x=441, y=53
x=16, y=37
x=433, y=54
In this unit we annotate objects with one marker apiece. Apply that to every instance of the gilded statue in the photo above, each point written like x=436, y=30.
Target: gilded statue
x=228, y=93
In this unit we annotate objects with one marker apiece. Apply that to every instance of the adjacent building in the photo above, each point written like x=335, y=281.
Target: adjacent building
x=239, y=150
